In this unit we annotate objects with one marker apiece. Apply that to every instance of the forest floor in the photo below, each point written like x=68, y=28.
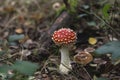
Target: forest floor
x=26, y=28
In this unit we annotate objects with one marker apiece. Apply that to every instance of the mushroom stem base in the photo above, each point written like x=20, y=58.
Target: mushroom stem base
x=65, y=65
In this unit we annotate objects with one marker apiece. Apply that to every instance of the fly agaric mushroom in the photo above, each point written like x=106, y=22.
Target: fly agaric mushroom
x=64, y=38
x=83, y=57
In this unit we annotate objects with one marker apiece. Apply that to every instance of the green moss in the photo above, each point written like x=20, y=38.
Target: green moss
x=73, y=5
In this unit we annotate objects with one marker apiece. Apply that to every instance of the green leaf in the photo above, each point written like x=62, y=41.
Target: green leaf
x=86, y=6
x=92, y=23
x=13, y=43
x=15, y=37
x=73, y=5
x=4, y=68
x=2, y=52
x=81, y=15
x=110, y=47
x=105, y=11
x=25, y=67
x=1, y=41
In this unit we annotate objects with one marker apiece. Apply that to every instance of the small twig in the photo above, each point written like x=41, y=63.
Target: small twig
x=9, y=57
x=45, y=63
x=21, y=56
x=11, y=20
x=66, y=66
x=37, y=4
x=87, y=73
x=7, y=24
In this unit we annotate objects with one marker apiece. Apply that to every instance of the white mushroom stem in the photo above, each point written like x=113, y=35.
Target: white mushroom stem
x=65, y=65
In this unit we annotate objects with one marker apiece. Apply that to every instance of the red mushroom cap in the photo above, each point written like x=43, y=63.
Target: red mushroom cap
x=64, y=36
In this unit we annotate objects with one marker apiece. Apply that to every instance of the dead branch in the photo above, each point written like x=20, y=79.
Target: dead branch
x=60, y=22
